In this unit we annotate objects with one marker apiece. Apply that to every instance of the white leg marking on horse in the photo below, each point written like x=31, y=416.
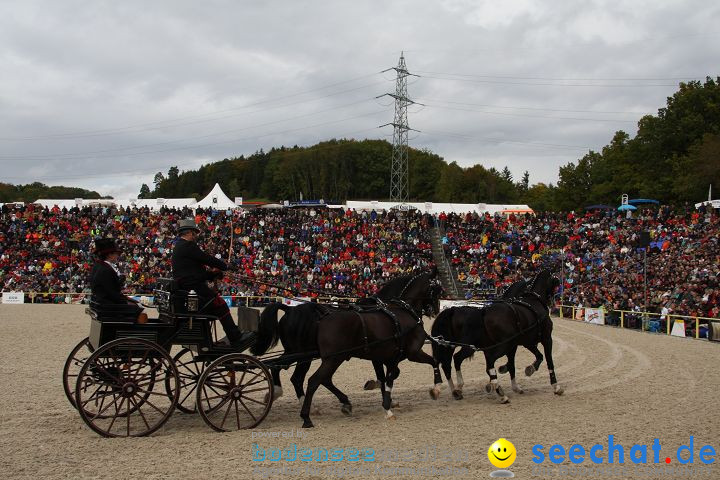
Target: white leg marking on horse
x=516, y=388
x=451, y=385
x=492, y=372
x=459, y=379
x=388, y=387
x=388, y=413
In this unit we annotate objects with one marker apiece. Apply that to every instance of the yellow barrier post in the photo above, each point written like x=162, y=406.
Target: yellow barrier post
x=622, y=319
x=669, y=321
x=697, y=328
x=561, y=310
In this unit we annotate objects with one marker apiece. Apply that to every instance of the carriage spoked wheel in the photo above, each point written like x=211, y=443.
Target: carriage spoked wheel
x=234, y=393
x=119, y=382
x=189, y=369
x=78, y=356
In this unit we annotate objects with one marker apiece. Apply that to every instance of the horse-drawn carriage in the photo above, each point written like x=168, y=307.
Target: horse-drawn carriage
x=123, y=380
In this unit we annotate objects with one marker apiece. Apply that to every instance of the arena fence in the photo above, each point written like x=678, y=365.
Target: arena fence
x=668, y=324
x=147, y=298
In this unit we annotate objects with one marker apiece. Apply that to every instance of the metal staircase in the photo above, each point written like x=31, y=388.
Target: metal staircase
x=445, y=271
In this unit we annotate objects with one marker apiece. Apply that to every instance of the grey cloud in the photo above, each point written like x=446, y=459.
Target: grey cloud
x=92, y=66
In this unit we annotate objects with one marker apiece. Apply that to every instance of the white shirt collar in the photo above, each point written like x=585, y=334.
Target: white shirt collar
x=112, y=265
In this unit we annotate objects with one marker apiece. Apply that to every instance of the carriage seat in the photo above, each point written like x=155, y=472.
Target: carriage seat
x=169, y=298
x=112, y=312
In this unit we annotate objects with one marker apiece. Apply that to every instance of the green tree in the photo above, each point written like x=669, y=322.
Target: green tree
x=158, y=180
x=144, y=191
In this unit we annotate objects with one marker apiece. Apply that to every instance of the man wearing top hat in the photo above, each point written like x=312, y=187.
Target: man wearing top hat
x=192, y=268
x=107, y=283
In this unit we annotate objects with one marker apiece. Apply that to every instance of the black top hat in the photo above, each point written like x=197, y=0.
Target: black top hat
x=105, y=246
x=187, y=224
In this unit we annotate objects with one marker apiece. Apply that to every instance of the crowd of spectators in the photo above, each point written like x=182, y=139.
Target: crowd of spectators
x=308, y=252
x=326, y=252
x=603, y=256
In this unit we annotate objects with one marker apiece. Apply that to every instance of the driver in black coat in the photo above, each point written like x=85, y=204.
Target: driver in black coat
x=106, y=283
x=192, y=269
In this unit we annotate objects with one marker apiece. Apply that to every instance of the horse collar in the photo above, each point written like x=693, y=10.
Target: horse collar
x=402, y=292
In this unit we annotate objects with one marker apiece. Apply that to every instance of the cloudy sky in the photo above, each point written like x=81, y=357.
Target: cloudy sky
x=104, y=94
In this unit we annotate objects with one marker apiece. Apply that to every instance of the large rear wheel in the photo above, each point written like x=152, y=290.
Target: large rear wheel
x=119, y=382
x=77, y=358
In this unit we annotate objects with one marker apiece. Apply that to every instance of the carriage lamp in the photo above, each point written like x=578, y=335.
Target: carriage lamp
x=192, y=301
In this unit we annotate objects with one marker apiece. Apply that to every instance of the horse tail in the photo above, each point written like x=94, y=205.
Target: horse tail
x=441, y=327
x=268, y=329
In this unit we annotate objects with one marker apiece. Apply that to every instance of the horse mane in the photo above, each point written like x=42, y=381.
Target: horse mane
x=542, y=273
x=515, y=289
x=397, y=286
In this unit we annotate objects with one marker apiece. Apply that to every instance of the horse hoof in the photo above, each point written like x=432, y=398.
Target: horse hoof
x=370, y=385
x=503, y=369
x=518, y=390
x=457, y=395
x=529, y=370
x=391, y=418
x=434, y=393
x=346, y=409
x=488, y=388
x=504, y=400
x=308, y=424
x=559, y=390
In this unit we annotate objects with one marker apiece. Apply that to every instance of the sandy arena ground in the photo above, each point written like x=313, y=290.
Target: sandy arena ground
x=633, y=385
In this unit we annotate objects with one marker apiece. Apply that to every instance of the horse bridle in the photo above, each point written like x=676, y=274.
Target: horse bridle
x=402, y=292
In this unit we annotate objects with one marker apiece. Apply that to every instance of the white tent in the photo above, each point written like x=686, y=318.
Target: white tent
x=216, y=200
x=709, y=203
x=156, y=203
x=50, y=203
x=436, y=208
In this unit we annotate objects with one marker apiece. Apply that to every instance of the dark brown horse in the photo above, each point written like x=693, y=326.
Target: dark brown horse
x=498, y=330
x=384, y=332
x=450, y=324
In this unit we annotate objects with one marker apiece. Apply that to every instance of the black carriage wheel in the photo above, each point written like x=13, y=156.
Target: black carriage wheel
x=78, y=356
x=235, y=393
x=189, y=370
x=126, y=399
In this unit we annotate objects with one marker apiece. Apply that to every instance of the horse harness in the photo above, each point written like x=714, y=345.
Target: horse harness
x=541, y=317
x=380, y=306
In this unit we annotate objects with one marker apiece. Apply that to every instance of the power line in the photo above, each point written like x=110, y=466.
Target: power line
x=91, y=154
x=503, y=140
x=508, y=114
x=539, y=84
x=569, y=79
x=171, y=122
x=126, y=173
x=563, y=110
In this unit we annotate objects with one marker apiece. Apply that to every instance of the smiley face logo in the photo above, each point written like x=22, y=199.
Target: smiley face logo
x=502, y=453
